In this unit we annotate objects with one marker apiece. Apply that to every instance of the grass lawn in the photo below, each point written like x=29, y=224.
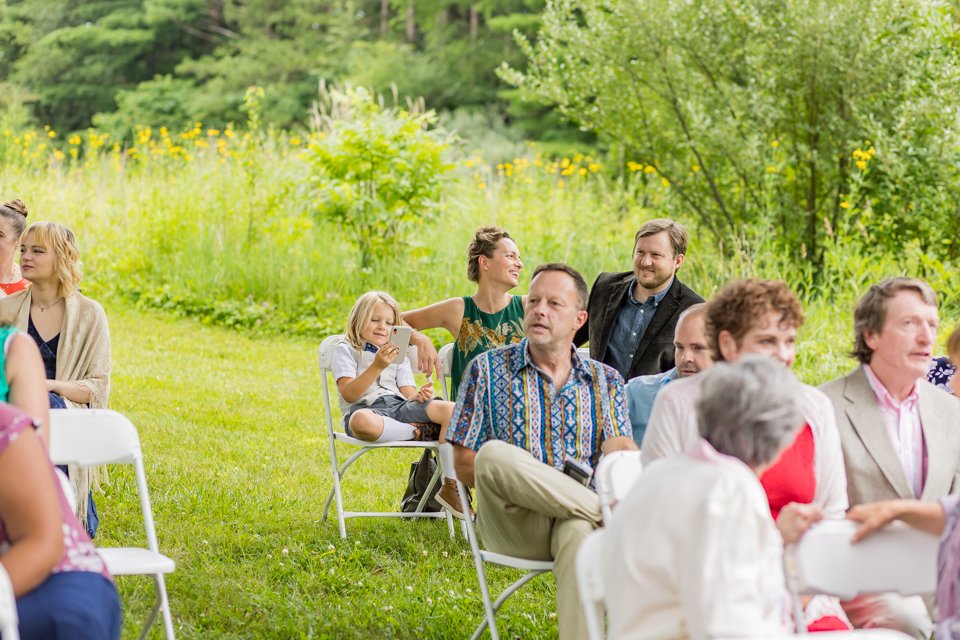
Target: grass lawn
x=237, y=464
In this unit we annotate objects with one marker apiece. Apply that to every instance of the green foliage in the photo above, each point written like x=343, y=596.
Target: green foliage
x=750, y=112
x=76, y=55
x=122, y=63
x=376, y=171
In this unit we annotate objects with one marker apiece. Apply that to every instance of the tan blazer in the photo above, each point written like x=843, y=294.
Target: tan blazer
x=873, y=468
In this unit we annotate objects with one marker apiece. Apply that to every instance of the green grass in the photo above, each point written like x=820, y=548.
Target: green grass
x=238, y=467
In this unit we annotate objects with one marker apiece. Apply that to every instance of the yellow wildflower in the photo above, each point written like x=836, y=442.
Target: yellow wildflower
x=51, y=134
x=861, y=164
x=664, y=182
x=695, y=168
x=58, y=155
x=295, y=141
x=594, y=167
x=844, y=205
x=774, y=143
x=649, y=169
x=634, y=166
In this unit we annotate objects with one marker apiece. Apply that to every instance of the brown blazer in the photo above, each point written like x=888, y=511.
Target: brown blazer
x=655, y=352
x=874, y=471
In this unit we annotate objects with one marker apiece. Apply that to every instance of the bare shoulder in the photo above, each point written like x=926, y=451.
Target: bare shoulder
x=446, y=314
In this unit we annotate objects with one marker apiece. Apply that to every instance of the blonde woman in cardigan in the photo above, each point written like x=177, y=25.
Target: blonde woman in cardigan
x=69, y=329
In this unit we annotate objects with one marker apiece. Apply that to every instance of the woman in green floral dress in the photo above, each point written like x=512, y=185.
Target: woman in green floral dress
x=490, y=318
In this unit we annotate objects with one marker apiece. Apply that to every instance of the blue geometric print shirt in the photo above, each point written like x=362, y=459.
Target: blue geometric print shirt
x=504, y=396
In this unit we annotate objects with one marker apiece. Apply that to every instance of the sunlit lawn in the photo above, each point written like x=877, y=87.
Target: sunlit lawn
x=236, y=456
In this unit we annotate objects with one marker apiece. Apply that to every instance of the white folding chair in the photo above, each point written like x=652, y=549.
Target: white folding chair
x=532, y=569
x=591, y=582
x=92, y=437
x=615, y=475
x=896, y=559
x=335, y=434
x=8, y=608
x=446, y=366
x=835, y=579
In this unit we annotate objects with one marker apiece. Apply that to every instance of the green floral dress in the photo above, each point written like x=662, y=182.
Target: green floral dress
x=481, y=331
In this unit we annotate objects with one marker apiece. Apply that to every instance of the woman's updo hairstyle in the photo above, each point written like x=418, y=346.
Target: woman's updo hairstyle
x=484, y=243
x=15, y=212
x=57, y=238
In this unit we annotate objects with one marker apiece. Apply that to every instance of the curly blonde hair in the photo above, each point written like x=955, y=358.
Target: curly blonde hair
x=57, y=238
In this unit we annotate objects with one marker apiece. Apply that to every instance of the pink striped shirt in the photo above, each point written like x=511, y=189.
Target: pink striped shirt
x=902, y=421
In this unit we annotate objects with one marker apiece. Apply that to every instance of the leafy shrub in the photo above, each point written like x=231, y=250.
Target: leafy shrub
x=376, y=171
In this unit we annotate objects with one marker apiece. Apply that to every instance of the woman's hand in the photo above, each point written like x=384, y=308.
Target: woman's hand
x=873, y=516
x=428, y=360
x=794, y=520
x=425, y=392
x=385, y=356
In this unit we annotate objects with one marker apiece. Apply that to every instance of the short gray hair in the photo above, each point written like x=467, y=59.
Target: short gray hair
x=749, y=410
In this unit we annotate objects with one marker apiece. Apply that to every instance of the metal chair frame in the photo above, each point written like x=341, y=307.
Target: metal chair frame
x=325, y=356
x=93, y=437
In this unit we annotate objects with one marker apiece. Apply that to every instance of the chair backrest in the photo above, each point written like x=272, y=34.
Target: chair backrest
x=591, y=581
x=896, y=559
x=325, y=352
x=614, y=478
x=325, y=357
x=91, y=437
x=446, y=365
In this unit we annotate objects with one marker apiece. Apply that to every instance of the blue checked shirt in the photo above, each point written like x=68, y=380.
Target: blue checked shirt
x=504, y=396
x=632, y=321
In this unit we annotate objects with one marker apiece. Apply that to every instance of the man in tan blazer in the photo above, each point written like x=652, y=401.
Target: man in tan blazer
x=900, y=435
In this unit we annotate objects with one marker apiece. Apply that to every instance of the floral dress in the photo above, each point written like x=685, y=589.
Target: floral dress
x=941, y=370
x=481, y=332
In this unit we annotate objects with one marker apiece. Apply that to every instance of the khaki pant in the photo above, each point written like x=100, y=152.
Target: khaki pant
x=530, y=510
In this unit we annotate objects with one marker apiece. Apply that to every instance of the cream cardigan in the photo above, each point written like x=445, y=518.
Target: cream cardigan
x=83, y=353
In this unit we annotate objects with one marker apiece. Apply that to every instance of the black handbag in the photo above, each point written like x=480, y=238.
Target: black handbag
x=421, y=472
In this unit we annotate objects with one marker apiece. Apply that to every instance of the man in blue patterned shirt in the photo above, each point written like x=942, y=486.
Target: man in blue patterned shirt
x=522, y=410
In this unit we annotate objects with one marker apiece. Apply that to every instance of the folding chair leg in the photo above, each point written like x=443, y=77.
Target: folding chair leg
x=164, y=606
x=489, y=612
x=149, y=623
x=161, y=606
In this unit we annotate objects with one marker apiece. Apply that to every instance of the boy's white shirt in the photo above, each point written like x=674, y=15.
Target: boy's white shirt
x=348, y=363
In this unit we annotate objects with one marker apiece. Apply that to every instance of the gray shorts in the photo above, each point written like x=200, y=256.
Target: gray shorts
x=392, y=407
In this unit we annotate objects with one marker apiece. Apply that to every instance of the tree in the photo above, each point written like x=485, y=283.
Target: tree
x=793, y=117
x=375, y=170
x=76, y=55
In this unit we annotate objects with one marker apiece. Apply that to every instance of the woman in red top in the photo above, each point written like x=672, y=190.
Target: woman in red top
x=13, y=219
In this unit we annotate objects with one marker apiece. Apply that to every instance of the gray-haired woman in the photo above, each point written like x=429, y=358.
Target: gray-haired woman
x=711, y=565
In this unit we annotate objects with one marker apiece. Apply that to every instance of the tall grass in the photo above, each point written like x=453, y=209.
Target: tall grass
x=221, y=225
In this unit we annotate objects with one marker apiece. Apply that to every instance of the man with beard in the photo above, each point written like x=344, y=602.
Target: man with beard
x=632, y=315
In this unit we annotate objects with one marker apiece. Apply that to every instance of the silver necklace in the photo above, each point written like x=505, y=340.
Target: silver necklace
x=42, y=309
